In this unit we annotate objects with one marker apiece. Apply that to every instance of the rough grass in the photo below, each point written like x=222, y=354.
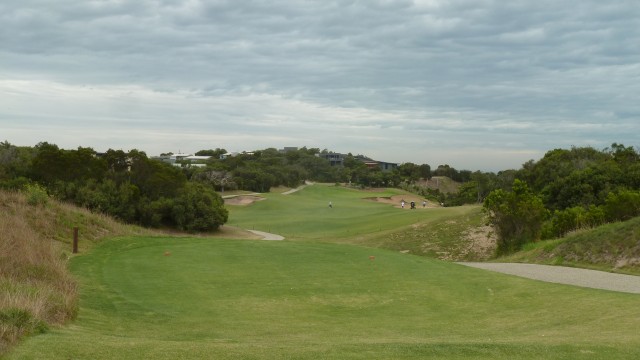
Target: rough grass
x=612, y=247
x=458, y=237
x=36, y=289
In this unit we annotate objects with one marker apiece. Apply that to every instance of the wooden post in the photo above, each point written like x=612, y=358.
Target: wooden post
x=75, y=240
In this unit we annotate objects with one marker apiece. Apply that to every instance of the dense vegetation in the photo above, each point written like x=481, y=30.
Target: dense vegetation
x=137, y=189
x=564, y=191
x=129, y=186
x=610, y=247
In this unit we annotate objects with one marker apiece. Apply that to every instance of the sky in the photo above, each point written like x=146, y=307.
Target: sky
x=475, y=84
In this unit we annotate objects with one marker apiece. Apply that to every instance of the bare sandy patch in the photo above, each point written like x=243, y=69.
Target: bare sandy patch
x=396, y=201
x=482, y=241
x=243, y=200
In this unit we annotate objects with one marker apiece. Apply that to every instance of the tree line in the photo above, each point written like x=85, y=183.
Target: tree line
x=567, y=189
x=127, y=185
x=138, y=189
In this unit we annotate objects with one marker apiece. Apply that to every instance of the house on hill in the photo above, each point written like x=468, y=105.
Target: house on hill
x=337, y=159
x=187, y=160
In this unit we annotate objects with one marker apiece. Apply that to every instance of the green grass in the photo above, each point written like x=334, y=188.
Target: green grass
x=355, y=219
x=612, y=247
x=319, y=295
x=235, y=299
x=305, y=215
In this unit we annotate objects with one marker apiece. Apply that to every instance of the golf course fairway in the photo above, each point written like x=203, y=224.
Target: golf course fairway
x=195, y=298
x=305, y=298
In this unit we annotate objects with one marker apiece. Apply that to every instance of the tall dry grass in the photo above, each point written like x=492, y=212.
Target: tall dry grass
x=36, y=288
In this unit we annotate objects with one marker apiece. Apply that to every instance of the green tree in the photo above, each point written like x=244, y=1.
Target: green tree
x=198, y=208
x=425, y=171
x=15, y=165
x=253, y=178
x=213, y=153
x=517, y=216
x=155, y=179
x=410, y=172
x=622, y=205
x=219, y=179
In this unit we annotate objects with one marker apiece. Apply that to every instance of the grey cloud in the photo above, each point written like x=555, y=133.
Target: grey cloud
x=495, y=68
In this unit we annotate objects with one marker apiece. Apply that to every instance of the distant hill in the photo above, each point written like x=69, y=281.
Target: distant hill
x=445, y=184
x=612, y=247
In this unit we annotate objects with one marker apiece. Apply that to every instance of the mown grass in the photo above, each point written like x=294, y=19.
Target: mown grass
x=318, y=295
x=36, y=289
x=356, y=219
x=192, y=298
x=613, y=247
x=306, y=215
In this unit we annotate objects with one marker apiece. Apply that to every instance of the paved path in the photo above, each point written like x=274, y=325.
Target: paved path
x=267, y=236
x=566, y=275
x=298, y=188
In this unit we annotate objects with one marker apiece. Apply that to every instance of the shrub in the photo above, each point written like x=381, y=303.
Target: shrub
x=36, y=194
x=622, y=205
x=517, y=216
x=198, y=208
x=15, y=323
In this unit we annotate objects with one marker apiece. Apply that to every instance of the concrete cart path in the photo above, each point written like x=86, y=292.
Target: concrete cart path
x=267, y=236
x=306, y=183
x=566, y=275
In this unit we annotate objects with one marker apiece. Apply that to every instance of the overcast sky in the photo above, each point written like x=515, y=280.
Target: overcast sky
x=476, y=84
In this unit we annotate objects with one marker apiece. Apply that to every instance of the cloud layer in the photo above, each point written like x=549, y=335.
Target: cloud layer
x=475, y=84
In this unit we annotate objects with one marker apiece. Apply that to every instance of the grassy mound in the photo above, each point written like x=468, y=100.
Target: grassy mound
x=612, y=247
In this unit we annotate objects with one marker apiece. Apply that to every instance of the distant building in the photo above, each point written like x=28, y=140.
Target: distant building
x=186, y=160
x=288, y=148
x=228, y=155
x=337, y=159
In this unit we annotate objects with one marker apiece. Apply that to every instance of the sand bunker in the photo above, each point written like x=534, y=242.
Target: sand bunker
x=242, y=200
x=396, y=201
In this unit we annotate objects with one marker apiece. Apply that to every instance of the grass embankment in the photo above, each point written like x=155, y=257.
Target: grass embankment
x=36, y=289
x=194, y=298
x=612, y=247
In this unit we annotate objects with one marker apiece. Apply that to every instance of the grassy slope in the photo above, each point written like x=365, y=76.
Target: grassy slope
x=306, y=216
x=36, y=289
x=230, y=299
x=612, y=247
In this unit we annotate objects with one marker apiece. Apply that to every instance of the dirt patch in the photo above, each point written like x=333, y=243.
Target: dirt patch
x=627, y=262
x=396, y=201
x=243, y=200
x=481, y=241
